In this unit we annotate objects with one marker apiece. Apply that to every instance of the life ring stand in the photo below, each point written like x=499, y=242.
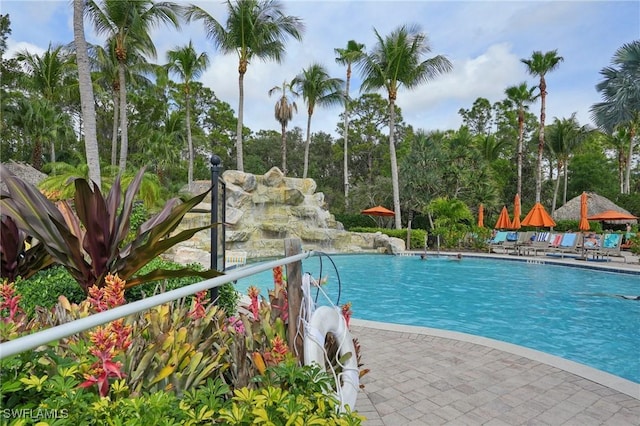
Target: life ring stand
x=326, y=320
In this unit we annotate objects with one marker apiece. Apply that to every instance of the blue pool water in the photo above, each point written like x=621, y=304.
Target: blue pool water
x=568, y=312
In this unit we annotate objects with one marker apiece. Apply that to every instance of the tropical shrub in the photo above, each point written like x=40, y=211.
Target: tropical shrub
x=43, y=289
x=350, y=221
x=57, y=186
x=17, y=256
x=227, y=295
x=290, y=395
x=160, y=367
x=88, y=239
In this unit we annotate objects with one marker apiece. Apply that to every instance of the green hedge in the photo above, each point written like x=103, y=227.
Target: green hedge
x=350, y=221
x=44, y=288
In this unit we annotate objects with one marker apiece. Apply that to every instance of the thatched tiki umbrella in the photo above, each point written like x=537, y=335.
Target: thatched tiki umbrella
x=595, y=204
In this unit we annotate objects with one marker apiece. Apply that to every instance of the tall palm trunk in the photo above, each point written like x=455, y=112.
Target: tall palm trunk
x=543, y=98
x=52, y=151
x=189, y=141
x=627, y=176
x=124, y=139
x=394, y=163
x=557, y=187
x=114, y=129
x=283, y=131
x=86, y=94
x=36, y=155
x=565, y=168
x=346, y=137
x=520, y=143
x=239, y=159
x=306, y=146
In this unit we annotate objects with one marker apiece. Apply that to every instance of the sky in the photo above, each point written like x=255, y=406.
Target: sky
x=484, y=40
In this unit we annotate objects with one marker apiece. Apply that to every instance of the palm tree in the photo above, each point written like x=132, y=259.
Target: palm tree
x=188, y=65
x=254, y=28
x=317, y=88
x=620, y=93
x=565, y=135
x=394, y=62
x=283, y=112
x=127, y=24
x=86, y=94
x=521, y=95
x=41, y=121
x=106, y=76
x=539, y=65
x=352, y=54
x=50, y=76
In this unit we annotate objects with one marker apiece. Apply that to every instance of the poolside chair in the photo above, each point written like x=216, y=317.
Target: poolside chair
x=541, y=243
x=525, y=241
x=497, y=240
x=568, y=245
x=510, y=242
x=555, y=240
x=591, y=242
x=611, y=246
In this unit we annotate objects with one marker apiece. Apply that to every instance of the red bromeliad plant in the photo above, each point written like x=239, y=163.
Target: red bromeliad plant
x=278, y=297
x=89, y=239
x=254, y=293
x=12, y=317
x=199, y=310
x=110, y=340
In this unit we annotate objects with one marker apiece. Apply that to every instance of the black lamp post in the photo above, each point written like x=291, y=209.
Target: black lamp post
x=216, y=166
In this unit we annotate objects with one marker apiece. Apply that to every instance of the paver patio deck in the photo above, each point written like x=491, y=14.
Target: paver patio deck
x=422, y=376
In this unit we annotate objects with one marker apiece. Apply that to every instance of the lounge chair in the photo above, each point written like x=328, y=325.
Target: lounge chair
x=611, y=246
x=541, y=242
x=591, y=242
x=497, y=240
x=510, y=242
x=525, y=241
x=555, y=240
x=567, y=246
x=590, y=245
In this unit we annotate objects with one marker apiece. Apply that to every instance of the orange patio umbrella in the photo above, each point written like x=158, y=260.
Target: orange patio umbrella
x=538, y=217
x=612, y=215
x=584, y=222
x=503, y=220
x=378, y=211
x=481, y=216
x=516, y=213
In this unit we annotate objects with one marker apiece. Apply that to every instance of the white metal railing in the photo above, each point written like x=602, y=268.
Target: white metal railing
x=43, y=337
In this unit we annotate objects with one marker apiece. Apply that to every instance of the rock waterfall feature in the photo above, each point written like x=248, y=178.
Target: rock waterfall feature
x=263, y=210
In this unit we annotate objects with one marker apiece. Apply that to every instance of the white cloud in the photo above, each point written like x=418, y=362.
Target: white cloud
x=13, y=47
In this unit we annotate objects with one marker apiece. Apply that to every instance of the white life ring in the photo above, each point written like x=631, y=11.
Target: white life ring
x=329, y=320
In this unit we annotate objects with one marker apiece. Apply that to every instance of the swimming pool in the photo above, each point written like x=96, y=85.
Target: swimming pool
x=568, y=312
